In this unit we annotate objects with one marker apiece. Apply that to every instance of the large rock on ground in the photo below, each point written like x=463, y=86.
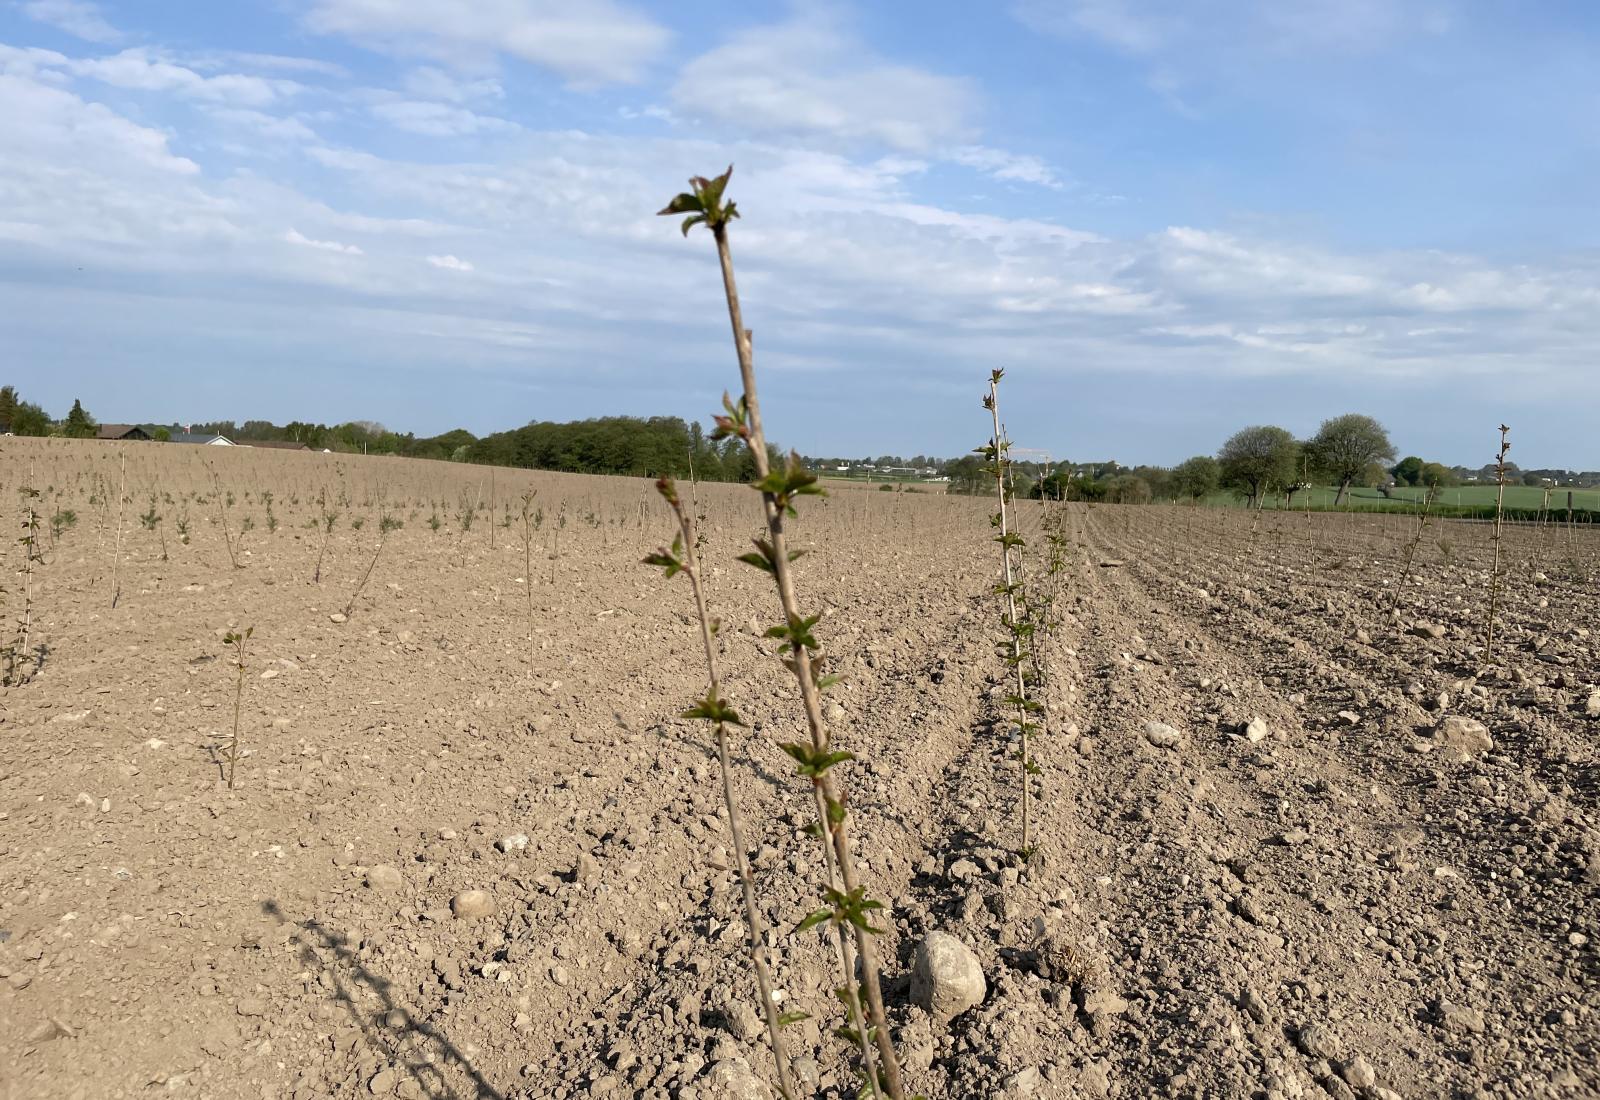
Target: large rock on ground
x=472, y=905
x=385, y=878
x=946, y=978
x=1467, y=736
x=1161, y=735
x=733, y=1079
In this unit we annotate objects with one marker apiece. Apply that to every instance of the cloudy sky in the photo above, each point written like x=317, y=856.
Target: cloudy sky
x=1165, y=218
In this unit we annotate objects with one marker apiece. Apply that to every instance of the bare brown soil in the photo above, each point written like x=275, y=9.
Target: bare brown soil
x=1364, y=902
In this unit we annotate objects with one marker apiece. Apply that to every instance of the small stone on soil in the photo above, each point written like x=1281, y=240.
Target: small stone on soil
x=472, y=905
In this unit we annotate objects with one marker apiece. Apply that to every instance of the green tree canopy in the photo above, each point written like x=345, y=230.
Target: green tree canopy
x=1345, y=446
x=1196, y=477
x=1435, y=475
x=1257, y=458
x=1128, y=489
x=30, y=419
x=616, y=445
x=1408, y=471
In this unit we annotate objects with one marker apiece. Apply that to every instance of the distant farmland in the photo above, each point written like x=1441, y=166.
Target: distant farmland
x=1519, y=498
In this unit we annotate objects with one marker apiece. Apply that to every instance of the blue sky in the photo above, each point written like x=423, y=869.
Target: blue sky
x=1166, y=218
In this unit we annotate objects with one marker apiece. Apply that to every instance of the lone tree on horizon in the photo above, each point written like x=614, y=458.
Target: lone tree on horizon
x=1345, y=447
x=79, y=424
x=1256, y=458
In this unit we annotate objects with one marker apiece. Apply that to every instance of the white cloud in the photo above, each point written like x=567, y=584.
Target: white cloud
x=268, y=61
x=450, y=263
x=1129, y=26
x=845, y=242
x=294, y=236
x=1148, y=27
x=278, y=128
x=1203, y=261
x=595, y=41
x=654, y=110
x=144, y=70
x=49, y=129
x=428, y=82
x=1009, y=167
x=32, y=62
x=812, y=77
x=437, y=119
x=77, y=17
x=1195, y=51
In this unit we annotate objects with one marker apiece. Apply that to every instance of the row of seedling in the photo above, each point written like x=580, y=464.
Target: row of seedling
x=849, y=917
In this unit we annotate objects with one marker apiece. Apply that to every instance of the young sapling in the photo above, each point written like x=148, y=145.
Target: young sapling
x=237, y=640
x=222, y=517
x=386, y=524
x=326, y=517
x=1494, y=575
x=683, y=557
x=996, y=451
x=848, y=909
x=116, y=557
x=1428, y=496
x=19, y=656
x=529, y=525
x=151, y=520
x=62, y=521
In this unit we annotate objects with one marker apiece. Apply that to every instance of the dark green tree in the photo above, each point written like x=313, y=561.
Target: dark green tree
x=1408, y=471
x=79, y=424
x=30, y=419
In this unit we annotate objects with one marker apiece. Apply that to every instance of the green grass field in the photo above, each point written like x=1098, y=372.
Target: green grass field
x=1407, y=498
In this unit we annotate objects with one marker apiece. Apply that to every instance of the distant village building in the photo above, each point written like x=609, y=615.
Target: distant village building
x=277, y=444
x=121, y=431
x=205, y=439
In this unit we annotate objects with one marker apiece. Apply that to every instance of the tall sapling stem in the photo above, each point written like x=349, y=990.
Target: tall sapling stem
x=236, y=639
x=1494, y=575
x=848, y=906
x=326, y=518
x=526, y=516
x=116, y=557
x=386, y=525
x=222, y=518
x=1428, y=496
x=996, y=452
x=684, y=558
x=19, y=655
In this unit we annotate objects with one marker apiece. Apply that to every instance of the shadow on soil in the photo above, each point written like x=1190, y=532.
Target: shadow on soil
x=325, y=949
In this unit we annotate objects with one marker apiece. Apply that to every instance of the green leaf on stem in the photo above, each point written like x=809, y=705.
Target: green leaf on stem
x=712, y=709
x=814, y=763
x=669, y=561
